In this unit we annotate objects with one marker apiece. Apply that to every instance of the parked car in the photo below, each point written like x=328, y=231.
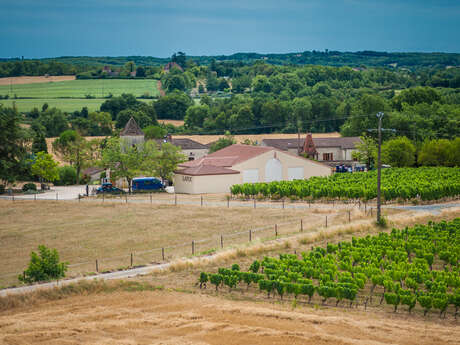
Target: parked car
x=146, y=184
x=108, y=188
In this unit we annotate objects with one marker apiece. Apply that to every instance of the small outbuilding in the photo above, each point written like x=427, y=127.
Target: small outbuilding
x=218, y=171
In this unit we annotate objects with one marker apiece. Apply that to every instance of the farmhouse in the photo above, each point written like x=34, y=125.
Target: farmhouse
x=332, y=151
x=190, y=148
x=218, y=171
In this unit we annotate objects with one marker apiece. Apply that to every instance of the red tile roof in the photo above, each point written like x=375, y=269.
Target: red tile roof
x=230, y=155
x=206, y=170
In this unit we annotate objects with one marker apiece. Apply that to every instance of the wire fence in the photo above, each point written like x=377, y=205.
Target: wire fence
x=211, y=244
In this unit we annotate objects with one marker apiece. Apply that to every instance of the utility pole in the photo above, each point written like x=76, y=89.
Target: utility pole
x=379, y=165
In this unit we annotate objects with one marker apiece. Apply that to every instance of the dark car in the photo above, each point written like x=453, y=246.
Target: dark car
x=109, y=189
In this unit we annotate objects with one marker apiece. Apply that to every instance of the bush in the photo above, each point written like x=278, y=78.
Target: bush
x=29, y=186
x=2, y=189
x=67, y=176
x=44, y=266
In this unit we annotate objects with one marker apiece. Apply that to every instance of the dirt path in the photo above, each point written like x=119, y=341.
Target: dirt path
x=162, y=317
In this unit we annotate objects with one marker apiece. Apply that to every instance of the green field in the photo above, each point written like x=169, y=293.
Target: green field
x=64, y=104
x=71, y=95
x=98, y=88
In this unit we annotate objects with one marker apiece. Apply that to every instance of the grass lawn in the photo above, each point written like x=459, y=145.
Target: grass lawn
x=83, y=232
x=80, y=88
x=64, y=104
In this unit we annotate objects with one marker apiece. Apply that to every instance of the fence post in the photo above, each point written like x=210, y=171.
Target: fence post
x=150, y=198
x=283, y=204
x=35, y=197
x=163, y=253
x=326, y=221
x=221, y=241
x=193, y=247
x=103, y=196
x=276, y=230
x=97, y=266
x=131, y=260
x=56, y=196
x=371, y=211
x=254, y=203
x=126, y=198
x=201, y=197
x=349, y=216
x=228, y=202
x=250, y=235
x=175, y=199
x=301, y=225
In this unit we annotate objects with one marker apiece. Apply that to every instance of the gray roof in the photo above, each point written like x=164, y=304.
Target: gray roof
x=131, y=128
x=185, y=144
x=292, y=143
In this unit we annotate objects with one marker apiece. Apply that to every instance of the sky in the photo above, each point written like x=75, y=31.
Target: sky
x=52, y=28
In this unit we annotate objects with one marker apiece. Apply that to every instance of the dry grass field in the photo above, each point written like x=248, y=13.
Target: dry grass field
x=175, y=318
x=32, y=80
x=168, y=308
x=86, y=231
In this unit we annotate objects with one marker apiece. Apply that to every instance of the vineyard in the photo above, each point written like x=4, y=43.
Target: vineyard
x=415, y=267
x=427, y=183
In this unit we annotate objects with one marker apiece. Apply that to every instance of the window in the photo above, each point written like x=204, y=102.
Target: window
x=328, y=157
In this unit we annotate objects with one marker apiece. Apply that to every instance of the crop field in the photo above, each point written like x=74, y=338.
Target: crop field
x=98, y=88
x=416, y=267
x=427, y=183
x=71, y=95
x=64, y=104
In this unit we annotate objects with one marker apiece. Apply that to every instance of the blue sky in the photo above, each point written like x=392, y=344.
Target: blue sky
x=48, y=28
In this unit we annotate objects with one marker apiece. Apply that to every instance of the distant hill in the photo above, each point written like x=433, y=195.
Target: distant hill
x=325, y=58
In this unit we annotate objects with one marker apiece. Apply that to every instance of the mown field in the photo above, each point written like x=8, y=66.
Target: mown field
x=64, y=104
x=109, y=232
x=71, y=95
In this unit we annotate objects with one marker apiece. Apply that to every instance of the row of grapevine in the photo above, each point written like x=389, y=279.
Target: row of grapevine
x=426, y=183
x=418, y=265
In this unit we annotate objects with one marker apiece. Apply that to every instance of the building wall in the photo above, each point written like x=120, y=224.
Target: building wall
x=311, y=168
x=204, y=184
x=336, y=153
x=130, y=140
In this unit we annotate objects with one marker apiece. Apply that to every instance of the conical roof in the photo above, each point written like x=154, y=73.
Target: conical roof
x=131, y=128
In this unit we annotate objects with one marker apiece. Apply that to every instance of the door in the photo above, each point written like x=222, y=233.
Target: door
x=295, y=173
x=273, y=170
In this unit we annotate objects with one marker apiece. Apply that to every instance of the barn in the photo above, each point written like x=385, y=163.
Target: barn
x=218, y=171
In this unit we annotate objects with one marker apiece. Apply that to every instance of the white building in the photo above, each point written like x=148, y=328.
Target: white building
x=235, y=164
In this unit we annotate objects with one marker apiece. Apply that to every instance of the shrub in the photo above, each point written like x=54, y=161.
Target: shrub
x=44, y=266
x=29, y=186
x=67, y=176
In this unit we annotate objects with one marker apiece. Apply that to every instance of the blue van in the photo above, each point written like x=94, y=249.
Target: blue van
x=146, y=183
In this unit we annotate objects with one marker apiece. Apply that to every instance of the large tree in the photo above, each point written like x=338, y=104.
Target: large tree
x=45, y=167
x=162, y=161
x=76, y=150
x=398, y=152
x=123, y=160
x=366, y=151
x=12, y=144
